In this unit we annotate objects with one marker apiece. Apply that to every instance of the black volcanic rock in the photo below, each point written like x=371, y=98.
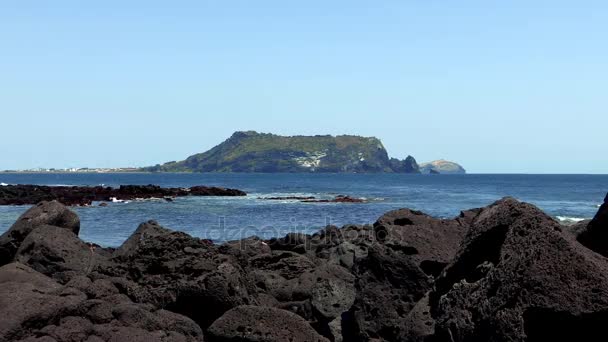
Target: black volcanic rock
x=337, y=199
x=332, y=291
x=35, y=308
x=312, y=199
x=83, y=195
x=183, y=274
x=595, y=235
x=319, y=295
x=289, y=242
x=258, y=324
x=431, y=242
x=28, y=296
x=518, y=277
x=44, y=213
x=411, y=249
x=287, y=198
x=389, y=284
x=342, y=246
x=287, y=264
x=245, y=249
x=145, y=231
x=58, y=253
x=506, y=272
x=214, y=191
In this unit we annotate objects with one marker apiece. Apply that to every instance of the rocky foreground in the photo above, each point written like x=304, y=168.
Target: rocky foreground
x=85, y=195
x=506, y=272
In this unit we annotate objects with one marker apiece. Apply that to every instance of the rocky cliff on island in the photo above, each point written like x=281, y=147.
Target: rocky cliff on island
x=259, y=152
x=506, y=272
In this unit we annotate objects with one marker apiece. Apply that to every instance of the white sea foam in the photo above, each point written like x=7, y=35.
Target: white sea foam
x=151, y=199
x=3, y=184
x=570, y=219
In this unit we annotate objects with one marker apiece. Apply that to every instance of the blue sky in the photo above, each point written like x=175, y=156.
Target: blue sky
x=509, y=86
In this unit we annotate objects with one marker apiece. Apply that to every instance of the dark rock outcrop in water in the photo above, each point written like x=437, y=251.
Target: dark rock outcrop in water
x=506, y=272
x=337, y=199
x=408, y=165
x=83, y=195
x=288, y=198
x=312, y=199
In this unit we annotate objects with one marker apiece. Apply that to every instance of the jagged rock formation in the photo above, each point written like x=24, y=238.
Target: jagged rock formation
x=49, y=213
x=408, y=165
x=258, y=152
x=507, y=272
x=519, y=277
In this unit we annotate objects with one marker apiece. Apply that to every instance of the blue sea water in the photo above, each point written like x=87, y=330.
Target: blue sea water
x=566, y=197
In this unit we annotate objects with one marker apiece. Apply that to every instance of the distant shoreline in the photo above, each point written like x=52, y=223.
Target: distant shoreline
x=218, y=172
x=75, y=172
x=9, y=172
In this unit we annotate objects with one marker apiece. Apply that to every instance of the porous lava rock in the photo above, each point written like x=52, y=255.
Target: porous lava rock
x=506, y=272
x=58, y=253
x=261, y=324
x=44, y=213
x=519, y=277
x=36, y=308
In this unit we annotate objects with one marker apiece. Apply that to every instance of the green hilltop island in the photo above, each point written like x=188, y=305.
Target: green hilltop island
x=251, y=151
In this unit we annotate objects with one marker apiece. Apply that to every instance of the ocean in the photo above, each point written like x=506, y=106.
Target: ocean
x=568, y=198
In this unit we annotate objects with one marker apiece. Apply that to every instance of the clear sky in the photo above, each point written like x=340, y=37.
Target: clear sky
x=498, y=86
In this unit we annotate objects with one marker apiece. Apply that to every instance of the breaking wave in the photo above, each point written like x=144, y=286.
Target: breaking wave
x=570, y=219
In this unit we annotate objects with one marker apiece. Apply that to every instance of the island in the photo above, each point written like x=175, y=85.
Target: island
x=251, y=151
x=441, y=166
